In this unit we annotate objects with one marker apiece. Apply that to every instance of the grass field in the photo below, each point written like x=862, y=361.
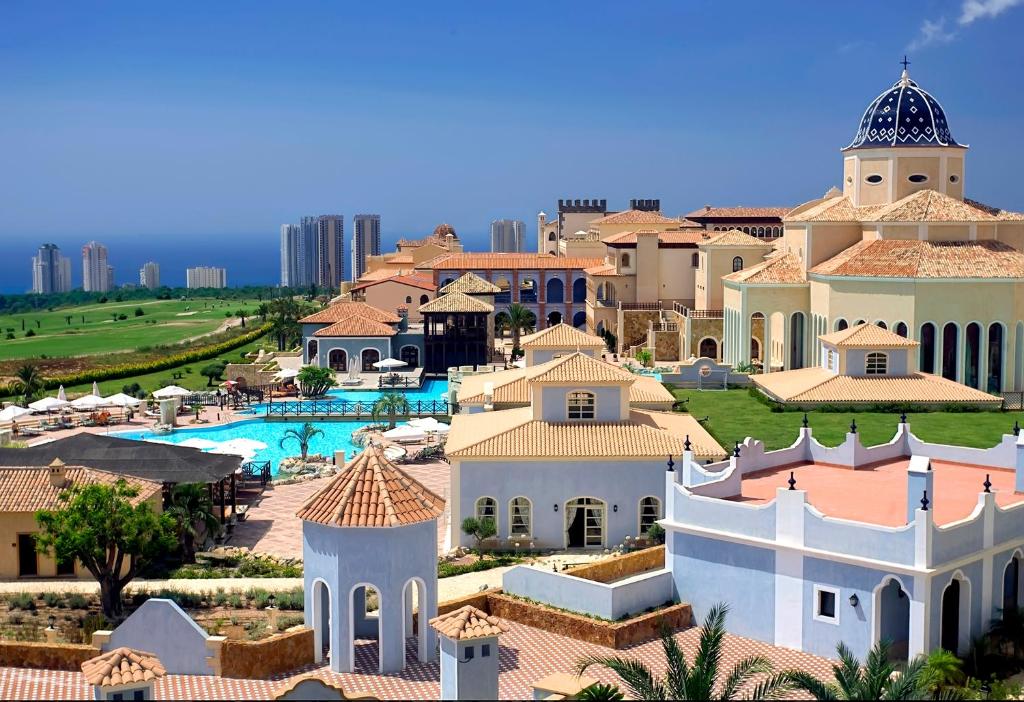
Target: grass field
x=735, y=415
x=93, y=329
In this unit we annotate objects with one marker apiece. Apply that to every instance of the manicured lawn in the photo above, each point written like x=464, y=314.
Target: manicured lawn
x=735, y=415
x=93, y=329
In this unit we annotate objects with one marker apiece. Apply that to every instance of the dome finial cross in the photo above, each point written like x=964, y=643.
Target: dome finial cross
x=905, y=62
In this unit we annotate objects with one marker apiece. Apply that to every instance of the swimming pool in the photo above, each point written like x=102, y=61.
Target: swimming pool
x=431, y=390
x=337, y=436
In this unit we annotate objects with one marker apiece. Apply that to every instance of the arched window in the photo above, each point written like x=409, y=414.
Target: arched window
x=877, y=363
x=337, y=359
x=650, y=512
x=369, y=357
x=311, y=349
x=555, y=290
x=411, y=355
x=551, y=236
x=972, y=355
x=695, y=260
x=901, y=329
x=760, y=232
x=842, y=324
x=995, y=357
x=408, y=299
x=625, y=260
x=950, y=339
x=579, y=290
x=487, y=508
x=708, y=348
x=520, y=517
x=737, y=264
x=581, y=405
x=882, y=325
x=424, y=299
x=796, y=338
x=927, y=360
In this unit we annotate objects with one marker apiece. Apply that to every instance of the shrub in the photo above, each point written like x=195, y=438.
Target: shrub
x=122, y=317
x=22, y=600
x=235, y=600
x=139, y=312
x=284, y=623
x=75, y=600
x=30, y=333
x=53, y=599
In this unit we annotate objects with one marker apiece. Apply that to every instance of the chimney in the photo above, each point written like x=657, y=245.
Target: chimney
x=58, y=473
x=488, y=397
x=403, y=314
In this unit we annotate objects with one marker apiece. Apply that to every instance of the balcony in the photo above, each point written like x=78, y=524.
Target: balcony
x=698, y=314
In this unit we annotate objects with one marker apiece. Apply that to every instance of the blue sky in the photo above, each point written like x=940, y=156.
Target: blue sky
x=178, y=131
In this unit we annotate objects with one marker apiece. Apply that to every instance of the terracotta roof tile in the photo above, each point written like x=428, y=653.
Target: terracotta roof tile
x=635, y=217
x=357, y=326
x=511, y=261
x=471, y=284
x=734, y=237
x=468, y=622
x=122, y=666
x=605, y=269
x=931, y=206
x=456, y=302
x=867, y=336
x=669, y=238
x=27, y=489
x=897, y=258
x=581, y=368
x=738, y=212
x=512, y=388
x=784, y=269
x=821, y=385
x=415, y=280
x=559, y=336
x=371, y=491
x=342, y=310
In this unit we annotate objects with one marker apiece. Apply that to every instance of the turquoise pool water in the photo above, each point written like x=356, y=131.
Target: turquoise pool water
x=432, y=389
x=337, y=436
x=650, y=372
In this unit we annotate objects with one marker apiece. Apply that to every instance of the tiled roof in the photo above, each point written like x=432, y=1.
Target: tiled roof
x=897, y=258
x=920, y=206
x=400, y=258
x=738, y=212
x=512, y=388
x=29, y=488
x=782, y=269
x=468, y=622
x=635, y=217
x=357, y=326
x=456, y=302
x=561, y=336
x=1002, y=215
x=867, y=336
x=680, y=424
x=122, y=666
x=417, y=281
x=511, y=261
x=371, y=491
x=669, y=238
x=832, y=209
x=821, y=385
x=581, y=368
x=342, y=310
x=380, y=274
x=605, y=269
x=471, y=284
x=734, y=237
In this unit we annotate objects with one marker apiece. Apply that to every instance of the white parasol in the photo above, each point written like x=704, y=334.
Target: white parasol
x=48, y=404
x=88, y=402
x=389, y=363
x=171, y=391
x=122, y=400
x=430, y=425
x=11, y=413
x=405, y=433
x=61, y=395
x=199, y=443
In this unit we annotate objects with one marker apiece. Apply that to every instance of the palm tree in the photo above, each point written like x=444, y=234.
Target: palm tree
x=501, y=324
x=28, y=381
x=520, y=319
x=877, y=679
x=263, y=311
x=943, y=671
x=1008, y=630
x=285, y=323
x=390, y=404
x=303, y=436
x=699, y=681
x=191, y=507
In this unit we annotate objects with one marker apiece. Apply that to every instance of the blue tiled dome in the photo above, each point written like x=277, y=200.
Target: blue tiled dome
x=904, y=115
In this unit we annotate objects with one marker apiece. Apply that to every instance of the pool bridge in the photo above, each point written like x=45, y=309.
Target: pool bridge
x=353, y=409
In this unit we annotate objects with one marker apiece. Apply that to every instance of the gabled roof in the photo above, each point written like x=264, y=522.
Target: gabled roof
x=867, y=336
x=605, y=269
x=371, y=491
x=342, y=310
x=28, y=488
x=512, y=387
x=122, y=666
x=675, y=237
x=898, y=258
x=456, y=302
x=468, y=622
x=415, y=280
x=471, y=284
x=635, y=217
x=783, y=269
x=821, y=385
x=581, y=368
x=734, y=237
x=356, y=326
x=509, y=261
x=561, y=336
x=737, y=212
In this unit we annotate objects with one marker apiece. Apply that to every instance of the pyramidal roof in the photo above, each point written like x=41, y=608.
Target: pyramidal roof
x=468, y=622
x=582, y=368
x=456, y=302
x=122, y=666
x=471, y=284
x=561, y=335
x=371, y=491
x=867, y=336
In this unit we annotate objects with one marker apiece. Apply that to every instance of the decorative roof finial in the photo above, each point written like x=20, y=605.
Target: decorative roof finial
x=987, y=483
x=791, y=481
x=736, y=450
x=905, y=76
x=903, y=417
x=804, y=422
x=671, y=463
x=905, y=62
x=687, y=444
x=1016, y=428
x=853, y=426
x=924, y=501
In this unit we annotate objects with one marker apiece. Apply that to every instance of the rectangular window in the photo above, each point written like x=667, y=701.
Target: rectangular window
x=485, y=650
x=469, y=653
x=139, y=695
x=826, y=602
x=877, y=363
x=581, y=405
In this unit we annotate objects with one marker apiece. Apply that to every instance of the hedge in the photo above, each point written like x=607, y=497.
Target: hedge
x=127, y=370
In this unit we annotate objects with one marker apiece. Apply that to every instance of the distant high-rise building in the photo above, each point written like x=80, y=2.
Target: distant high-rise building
x=51, y=272
x=206, y=277
x=507, y=235
x=365, y=241
x=291, y=268
x=330, y=251
x=307, y=249
x=149, y=275
x=97, y=274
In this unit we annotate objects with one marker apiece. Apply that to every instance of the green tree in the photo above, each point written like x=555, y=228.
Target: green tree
x=877, y=679
x=303, y=435
x=112, y=537
x=644, y=357
x=241, y=314
x=520, y=319
x=191, y=509
x=599, y=692
x=479, y=530
x=212, y=372
x=263, y=311
x=701, y=680
x=139, y=312
x=285, y=313
x=28, y=382
x=390, y=405
x=943, y=672
x=315, y=381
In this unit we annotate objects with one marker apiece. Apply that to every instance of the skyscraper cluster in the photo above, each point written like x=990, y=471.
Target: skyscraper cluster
x=507, y=236
x=51, y=271
x=365, y=241
x=97, y=273
x=313, y=252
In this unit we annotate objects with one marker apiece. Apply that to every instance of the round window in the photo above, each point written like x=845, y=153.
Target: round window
x=873, y=179
x=849, y=179
x=954, y=178
x=918, y=178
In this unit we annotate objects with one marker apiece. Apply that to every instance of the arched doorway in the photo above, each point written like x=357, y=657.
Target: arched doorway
x=1011, y=584
x=411, y=355
x=311, y=348
x=555, y=290
x=579, y=320
x=994, y=383
x=579, y=290
x=955, y=619
x=708, y=348
x=321, y=620
x=504, y=294
x=414, y=595
x=424, y=299
x=337, y=359
x=369, y=357
x=927, y=361
x=527, y=290
x=606, y=292
x=554, y=318
x=755, y=350
x=584, y=522
x=364, y=624
x=892, y=618
x=901, y=329
x=950, y=337
x=972, y=355
x=796, y=336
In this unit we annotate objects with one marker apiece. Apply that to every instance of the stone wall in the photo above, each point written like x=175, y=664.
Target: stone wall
x=666, y=346
x=59, y=656
x=700, y=328
x=280, y=653
x=610, y=569
x=635, y=324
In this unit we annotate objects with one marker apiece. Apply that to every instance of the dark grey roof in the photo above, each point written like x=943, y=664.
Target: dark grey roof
x=164, y=463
